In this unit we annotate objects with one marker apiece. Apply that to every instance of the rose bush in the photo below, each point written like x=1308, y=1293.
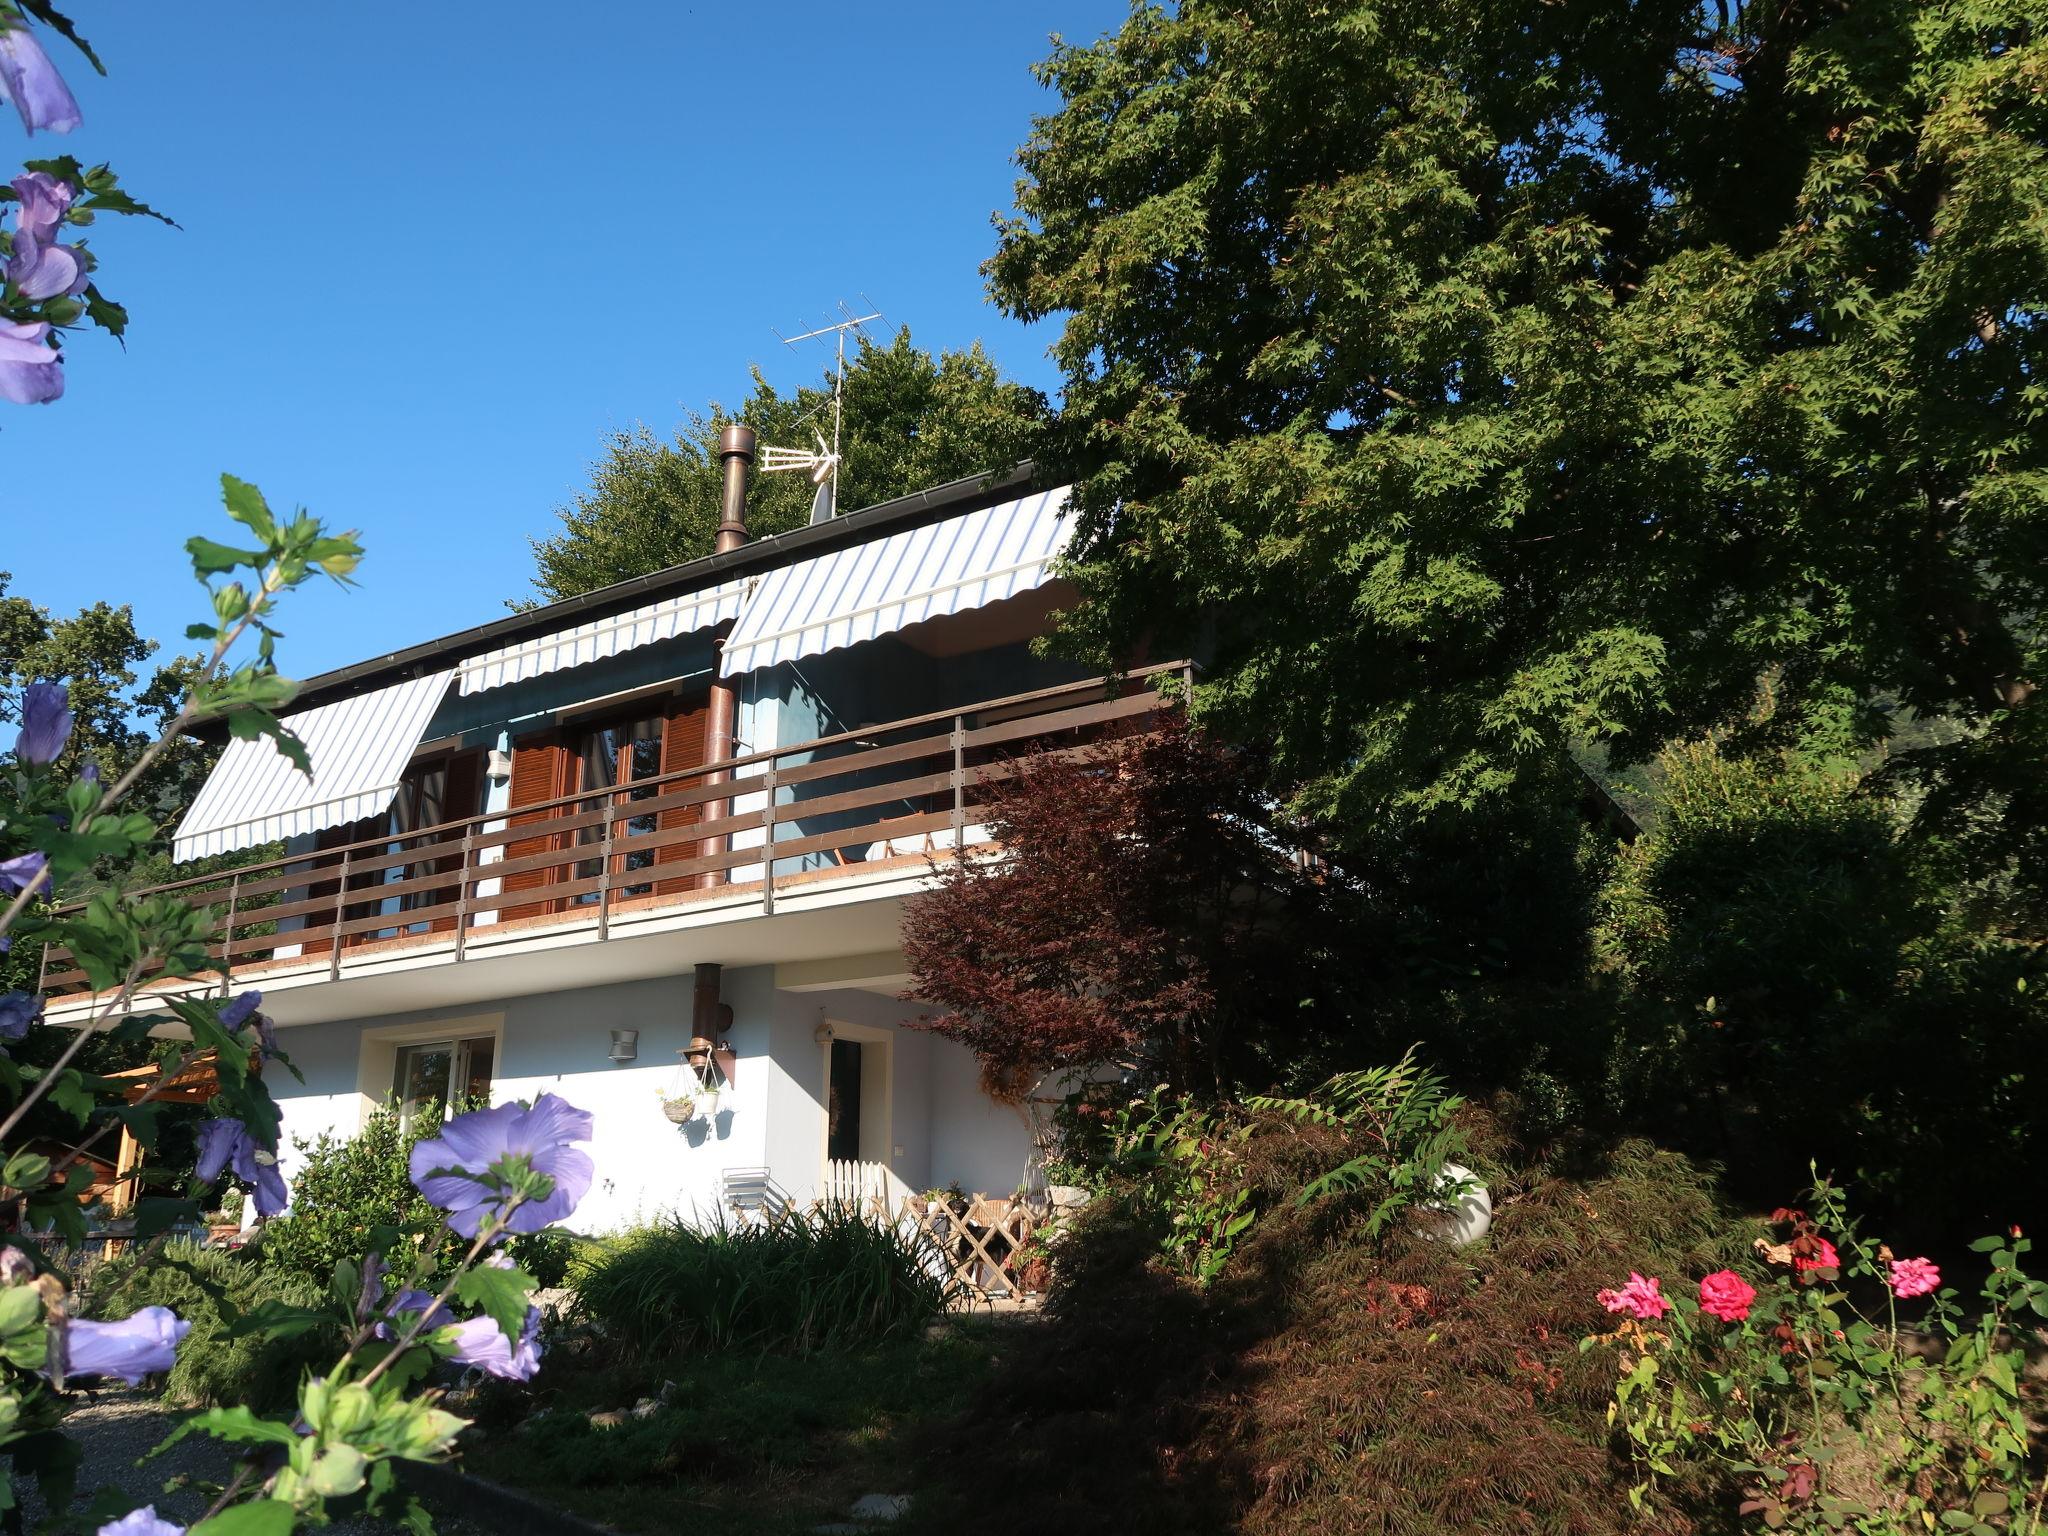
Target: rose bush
x=1838, y=1409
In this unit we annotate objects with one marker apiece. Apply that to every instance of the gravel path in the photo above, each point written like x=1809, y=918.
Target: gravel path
x=117, y=1429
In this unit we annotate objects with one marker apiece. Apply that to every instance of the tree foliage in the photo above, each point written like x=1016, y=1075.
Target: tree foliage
x=1142, y=915
x=1492, y=374
x=912, y=420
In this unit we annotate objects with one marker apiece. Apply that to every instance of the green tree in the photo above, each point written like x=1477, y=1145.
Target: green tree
x=1490, y=375
x=99, y=656
x=911, y=420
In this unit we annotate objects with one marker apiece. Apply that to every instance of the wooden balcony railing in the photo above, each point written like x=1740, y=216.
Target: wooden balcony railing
x=748, y=827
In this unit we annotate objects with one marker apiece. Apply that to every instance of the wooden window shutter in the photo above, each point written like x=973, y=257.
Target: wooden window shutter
x=682, y=748
x=540, y=767
x=460, y=796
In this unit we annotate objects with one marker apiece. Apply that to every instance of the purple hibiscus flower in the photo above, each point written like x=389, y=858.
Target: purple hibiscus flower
x=31, y=82
x=18, y=1010
x=224, y=1143
x=451, y=1170
x=131, y=1349
x=31, y=372
x=44, y=201
x=482, y=1343
x=141, y=1522
x=21, y=872
x=45, y=723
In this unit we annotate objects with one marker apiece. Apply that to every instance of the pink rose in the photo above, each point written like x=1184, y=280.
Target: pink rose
x=1826, y=1258
x=1726, y=1295
x=1642, y=1299
x=1914, y=1277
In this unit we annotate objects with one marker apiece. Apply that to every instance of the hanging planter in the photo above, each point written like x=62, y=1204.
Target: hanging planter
x=700, y=1085
x=678, y=1110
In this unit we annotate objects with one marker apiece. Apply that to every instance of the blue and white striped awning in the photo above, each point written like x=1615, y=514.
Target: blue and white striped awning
x=871, y=589
x=601, y=638
x=358, y=747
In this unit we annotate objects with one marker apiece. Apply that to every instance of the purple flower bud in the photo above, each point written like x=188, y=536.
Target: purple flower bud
x=231, y=1017
x=31, y=372
x=18, y=1010
x=131, y=1349
x=88, y=773
x=482, y=1343
x=21, y=871
x=226, y=1142
x=31, y=82
x=140, y=1522
x=45, y=723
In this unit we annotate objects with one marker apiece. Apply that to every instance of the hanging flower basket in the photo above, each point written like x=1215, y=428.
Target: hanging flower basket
x=678, y=1110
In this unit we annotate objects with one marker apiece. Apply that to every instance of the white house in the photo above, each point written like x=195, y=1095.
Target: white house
x=547, y=852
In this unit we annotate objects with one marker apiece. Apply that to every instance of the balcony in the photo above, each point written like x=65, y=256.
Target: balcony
x=801, y=853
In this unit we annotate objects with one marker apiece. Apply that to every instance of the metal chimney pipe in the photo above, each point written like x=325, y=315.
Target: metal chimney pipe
x=735, y=459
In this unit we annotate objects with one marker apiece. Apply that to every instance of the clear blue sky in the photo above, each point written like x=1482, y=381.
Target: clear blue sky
x=432, y=254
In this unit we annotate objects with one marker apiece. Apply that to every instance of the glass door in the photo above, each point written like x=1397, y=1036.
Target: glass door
x=432, y=1072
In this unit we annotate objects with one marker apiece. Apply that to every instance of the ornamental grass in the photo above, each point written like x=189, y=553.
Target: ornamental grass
x=804, y=1283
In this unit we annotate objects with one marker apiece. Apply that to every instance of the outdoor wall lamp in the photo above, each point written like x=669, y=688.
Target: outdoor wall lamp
x=823, y=1033
x=625, y=1044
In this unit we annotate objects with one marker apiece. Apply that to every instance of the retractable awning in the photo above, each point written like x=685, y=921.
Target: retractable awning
x=359, y=748
x=866, y=590
x=601, y=638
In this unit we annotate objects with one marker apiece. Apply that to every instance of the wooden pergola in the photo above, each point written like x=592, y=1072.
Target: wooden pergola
x=194, y=1083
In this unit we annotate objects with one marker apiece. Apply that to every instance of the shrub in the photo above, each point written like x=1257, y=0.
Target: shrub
x=1329, y=1380
x=1806, y=1376
x=347, y=1186
x=343, y=1188
x=802, y=1283
x=206, y=1287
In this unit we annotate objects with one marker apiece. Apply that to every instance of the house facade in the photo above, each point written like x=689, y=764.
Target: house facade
x=652, y=845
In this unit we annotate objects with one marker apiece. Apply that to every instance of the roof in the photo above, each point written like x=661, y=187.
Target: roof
x=432, y=656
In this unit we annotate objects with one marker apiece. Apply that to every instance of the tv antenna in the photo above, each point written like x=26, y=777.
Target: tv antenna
x=823, y=463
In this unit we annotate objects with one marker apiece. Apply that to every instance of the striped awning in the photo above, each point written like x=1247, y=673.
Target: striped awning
x=358, y=747
x=601, y=638
x=871, y=589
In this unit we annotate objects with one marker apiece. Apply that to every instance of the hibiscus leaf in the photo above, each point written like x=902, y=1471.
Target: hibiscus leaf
x=159, y=1213
x=504, y=1294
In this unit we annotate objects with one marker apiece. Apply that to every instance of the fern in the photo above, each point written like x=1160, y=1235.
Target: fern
x=1403, y=1113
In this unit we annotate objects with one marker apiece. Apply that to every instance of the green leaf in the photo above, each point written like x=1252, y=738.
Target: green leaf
x=159, y=1213
x=246, y=506
x=210, y=557
x=69, y=1092
x=63, y=26
x=265, y=1517
x=505, y=1294
x=274, y=1319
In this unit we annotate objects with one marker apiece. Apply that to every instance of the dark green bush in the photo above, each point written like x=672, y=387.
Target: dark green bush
x=804, y=1283
x=192, y=1281
x=345, y=1187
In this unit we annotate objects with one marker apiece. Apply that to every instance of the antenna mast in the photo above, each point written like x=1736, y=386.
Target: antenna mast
x=823, y=464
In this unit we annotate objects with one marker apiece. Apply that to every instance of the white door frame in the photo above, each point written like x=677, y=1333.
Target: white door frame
x=863, y=1035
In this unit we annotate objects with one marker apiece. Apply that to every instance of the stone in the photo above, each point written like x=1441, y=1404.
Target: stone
x=880, y=1506
x=1068, y=1198
x=646, y=1408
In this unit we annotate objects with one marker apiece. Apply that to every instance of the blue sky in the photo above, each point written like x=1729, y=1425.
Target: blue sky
x=432, y=254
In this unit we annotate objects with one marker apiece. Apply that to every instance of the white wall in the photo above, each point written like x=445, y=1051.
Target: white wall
x=947, y=1130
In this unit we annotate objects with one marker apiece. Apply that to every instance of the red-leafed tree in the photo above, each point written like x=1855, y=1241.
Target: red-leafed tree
x=1142, y=911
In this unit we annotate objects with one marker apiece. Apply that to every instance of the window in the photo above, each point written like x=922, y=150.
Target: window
x=449, y=786
x=622, y=755
x=429, y=1072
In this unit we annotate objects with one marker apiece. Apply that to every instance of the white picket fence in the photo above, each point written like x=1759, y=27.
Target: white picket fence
x=863, y=1186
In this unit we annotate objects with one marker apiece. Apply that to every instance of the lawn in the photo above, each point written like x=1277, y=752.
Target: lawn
x=757, y=1443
